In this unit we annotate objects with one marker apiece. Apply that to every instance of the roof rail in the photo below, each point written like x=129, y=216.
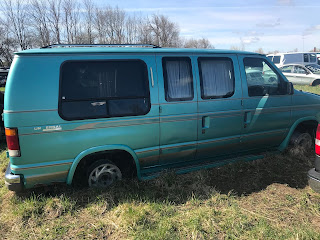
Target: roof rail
x=101, y=45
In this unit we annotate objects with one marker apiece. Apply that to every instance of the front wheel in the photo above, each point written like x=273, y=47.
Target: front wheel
x=315, y=83
x=301, y=143
x=103, y=173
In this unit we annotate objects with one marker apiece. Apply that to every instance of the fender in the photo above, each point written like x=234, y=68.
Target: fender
x=285, y=142
x=100, y=149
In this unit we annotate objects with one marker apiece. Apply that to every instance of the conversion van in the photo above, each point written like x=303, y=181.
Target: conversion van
x=94, y=114
x=280, y=59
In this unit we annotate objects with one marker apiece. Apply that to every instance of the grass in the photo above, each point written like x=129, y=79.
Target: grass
x=307, y=88
x=265, y=199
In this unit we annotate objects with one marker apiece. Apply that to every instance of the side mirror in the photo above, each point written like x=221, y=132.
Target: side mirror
x=290, y=89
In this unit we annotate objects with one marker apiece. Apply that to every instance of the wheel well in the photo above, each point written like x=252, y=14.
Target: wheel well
x=315, y=82
x=309, y=126
x=121, y=158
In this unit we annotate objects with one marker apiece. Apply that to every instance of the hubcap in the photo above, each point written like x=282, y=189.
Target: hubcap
x=104, y=175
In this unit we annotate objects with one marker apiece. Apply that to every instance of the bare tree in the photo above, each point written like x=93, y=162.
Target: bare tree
x=144, y=31
x=198, y=43
x=17, y=21
x=132, y=29
x=89, y=19
x=71, y=14
x=7, y=44
x=165, y=33
x=100, y=25
x=115, y=25
x=260, y=50
x=54, y=19
x=39, y=20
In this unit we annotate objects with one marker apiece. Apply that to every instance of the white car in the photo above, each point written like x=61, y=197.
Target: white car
x=302, y=74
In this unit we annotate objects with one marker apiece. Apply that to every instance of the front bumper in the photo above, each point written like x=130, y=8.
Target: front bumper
x=12, y=181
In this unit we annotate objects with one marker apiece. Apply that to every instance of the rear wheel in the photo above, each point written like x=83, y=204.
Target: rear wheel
x=103, y=173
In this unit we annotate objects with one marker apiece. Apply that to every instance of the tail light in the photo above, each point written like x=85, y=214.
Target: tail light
x=317, y=141
x=13, y=142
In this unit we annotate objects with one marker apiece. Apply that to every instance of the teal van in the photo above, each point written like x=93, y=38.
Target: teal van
x=94, y=114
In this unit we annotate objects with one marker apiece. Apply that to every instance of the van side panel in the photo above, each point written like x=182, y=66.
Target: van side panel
x=50, y=144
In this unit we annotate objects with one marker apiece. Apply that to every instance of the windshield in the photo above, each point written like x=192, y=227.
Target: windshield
x=314, y=68
x=276, y=59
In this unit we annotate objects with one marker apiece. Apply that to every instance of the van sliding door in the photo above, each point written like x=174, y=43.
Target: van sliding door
x=220, y=114
x=178, y=109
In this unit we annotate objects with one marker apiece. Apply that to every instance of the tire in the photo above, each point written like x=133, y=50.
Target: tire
x=102, y=174
x=301, y=142
x=315, y=83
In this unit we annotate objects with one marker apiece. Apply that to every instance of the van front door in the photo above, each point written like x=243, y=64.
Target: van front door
x=266, y=105
x=178, y=109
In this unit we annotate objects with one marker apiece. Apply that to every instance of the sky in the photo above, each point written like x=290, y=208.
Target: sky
x=283, y=25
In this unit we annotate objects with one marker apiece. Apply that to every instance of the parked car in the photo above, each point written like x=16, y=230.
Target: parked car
x=302, y=75
x=302, y=58
x=3, y=76
x=95, y=114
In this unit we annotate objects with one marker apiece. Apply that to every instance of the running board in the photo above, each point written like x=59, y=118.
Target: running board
x=195, y=167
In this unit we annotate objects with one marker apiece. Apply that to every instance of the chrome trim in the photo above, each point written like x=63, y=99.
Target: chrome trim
x=11, y=178
x=30, y=111
x=219, y=140
x=178, y=146
x=146, y=151
x=42, y=166
x=219, y=99
x=152, y=81
x=262, y=133
x=48, y=177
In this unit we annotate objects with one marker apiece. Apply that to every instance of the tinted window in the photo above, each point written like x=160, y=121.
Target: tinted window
x=177, y=73
x=262, y=79
x=270, y=58
x=276, y=59
x=96, y=89
x=313, y=58
x=216, y=77
x=305, y=58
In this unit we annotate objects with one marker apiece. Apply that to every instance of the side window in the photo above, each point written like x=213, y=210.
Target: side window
x=262, y=79
x=305, y=58
x=300, y=70
x=287, y=69
x=313, y=57
x=100, y=89
x=216, y=77
x=178, y=81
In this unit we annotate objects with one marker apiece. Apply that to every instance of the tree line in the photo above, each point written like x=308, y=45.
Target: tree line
x=28, y=24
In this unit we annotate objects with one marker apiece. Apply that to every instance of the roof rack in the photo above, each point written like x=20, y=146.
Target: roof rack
x=101, y=45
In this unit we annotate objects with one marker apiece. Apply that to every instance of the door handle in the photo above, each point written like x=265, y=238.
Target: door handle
x=247, y=118
x=205, y=123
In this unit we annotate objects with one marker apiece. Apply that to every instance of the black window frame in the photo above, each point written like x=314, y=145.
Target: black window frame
x=165, y=78
x=306, y=57
x=61, y=100
x=201, y=79
x=282, y=81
